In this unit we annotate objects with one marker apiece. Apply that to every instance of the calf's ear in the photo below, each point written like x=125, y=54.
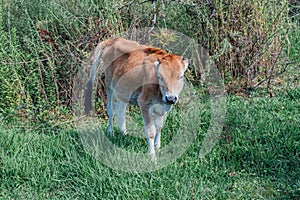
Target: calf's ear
x=186, y=63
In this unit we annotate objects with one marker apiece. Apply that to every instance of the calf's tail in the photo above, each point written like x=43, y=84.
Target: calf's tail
x=94, y=59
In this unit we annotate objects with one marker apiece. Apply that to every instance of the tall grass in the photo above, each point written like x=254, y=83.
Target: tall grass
x=42, y=45
x=44, y=42
x=246, y=38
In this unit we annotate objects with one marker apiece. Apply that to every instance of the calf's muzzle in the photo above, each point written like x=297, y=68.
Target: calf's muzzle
x=171, y=99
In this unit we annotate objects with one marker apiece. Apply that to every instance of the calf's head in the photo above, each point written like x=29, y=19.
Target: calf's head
x=170, y=71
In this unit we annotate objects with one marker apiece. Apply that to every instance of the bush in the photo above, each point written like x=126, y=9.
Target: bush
x=246, y=40
x=42, y=42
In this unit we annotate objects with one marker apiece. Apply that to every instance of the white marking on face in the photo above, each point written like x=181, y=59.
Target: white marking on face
x=170, y=80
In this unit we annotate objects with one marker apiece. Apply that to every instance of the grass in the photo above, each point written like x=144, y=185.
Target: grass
x=257, y=157
x=42, y=157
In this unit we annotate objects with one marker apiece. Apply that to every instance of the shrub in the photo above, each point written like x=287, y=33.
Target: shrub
x=43, y=42
x=246, y=38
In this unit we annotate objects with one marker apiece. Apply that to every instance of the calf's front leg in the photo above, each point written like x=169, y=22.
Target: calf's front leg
x=150, y=129
x=159, y=122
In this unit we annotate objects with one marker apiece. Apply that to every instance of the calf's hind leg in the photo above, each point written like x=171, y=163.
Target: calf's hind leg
x=110, y=111
x=120, y=112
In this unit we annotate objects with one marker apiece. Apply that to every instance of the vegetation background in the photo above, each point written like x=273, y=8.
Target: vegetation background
x=256, y=47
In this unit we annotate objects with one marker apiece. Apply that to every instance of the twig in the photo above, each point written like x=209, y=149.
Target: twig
x=164, y=14
x=154, y=16
x=126, y=4
x=42, y=85
x=269, y=77
x=144, y=1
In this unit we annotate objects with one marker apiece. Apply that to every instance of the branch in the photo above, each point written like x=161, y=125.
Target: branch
x=269, y=77
x=164, y=13
x=154, y=16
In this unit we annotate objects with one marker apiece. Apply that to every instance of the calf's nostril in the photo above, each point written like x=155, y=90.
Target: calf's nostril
x=171, y=99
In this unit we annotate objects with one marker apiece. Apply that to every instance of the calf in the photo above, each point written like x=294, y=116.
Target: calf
x=142, y=75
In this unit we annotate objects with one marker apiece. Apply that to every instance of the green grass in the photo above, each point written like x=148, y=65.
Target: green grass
x=41, y=154
x=257, y=157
